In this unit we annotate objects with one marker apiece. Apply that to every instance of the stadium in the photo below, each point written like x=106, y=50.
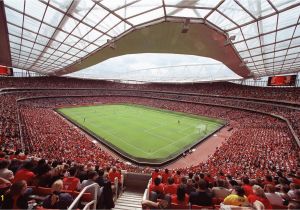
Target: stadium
x=136, y=104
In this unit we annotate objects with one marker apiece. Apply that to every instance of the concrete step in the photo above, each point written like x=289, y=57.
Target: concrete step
x=129, y=200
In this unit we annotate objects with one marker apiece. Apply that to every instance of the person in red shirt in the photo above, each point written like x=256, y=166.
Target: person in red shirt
x=113, y=174
x=247, y=187
x=177, y=177
x=155, y=174
x=180, y=197
x=259, y=195
x=157, y=187
x=71, y=183
x=165, y=176
x=171, y=187
x=25, y=173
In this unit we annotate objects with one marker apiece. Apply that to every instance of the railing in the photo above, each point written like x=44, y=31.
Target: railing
x=146, y=193
x=96, y=187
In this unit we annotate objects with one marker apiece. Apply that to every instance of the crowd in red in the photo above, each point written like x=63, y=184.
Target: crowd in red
x=260, y=144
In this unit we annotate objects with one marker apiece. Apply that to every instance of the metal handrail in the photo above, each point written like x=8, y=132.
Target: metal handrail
x=96, y=187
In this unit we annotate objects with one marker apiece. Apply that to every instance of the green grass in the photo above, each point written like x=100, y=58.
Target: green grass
x=142, y=133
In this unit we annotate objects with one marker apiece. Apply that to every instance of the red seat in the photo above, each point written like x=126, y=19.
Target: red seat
x=217, y=201
x=178, y=206
x=43, y=191
x=201, y=207
x=86, y=197
x=279, y=207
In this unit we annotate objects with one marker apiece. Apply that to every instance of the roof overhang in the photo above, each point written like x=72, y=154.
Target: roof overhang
x=167, y=37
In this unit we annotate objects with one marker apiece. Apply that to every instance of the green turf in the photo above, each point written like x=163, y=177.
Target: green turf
x=140, y=132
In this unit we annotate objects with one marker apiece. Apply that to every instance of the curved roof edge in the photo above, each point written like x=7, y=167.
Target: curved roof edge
x=167, y=37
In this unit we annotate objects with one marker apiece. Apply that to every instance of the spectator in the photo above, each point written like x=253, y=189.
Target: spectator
x=170, y=187
x=202, y=197
x=71, y=183
x=5, y=173
x=220, y=191
x=237, y=197
x=180, y=197
x=259, y=195
x=16, y=198
x=25, y=173
x=272, y=196
x=58, y=199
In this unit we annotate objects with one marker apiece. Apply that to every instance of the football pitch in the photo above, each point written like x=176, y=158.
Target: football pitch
x=142, y=133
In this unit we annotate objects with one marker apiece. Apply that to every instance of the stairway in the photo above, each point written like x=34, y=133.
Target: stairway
x=129, y=200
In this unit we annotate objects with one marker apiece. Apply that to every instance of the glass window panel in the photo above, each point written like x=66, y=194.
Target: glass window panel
x=63, y=5
x=108, y=23
x=258, y=8
x=14, y=30
x=281, y=4
x=54, y=44
x=252, y=43
x=250, y=30
x=46, y=30
x=35, y=8
x=155, y=14
x=95, y=16
x=245, y=54
x=280, y=53
x=17, y=4
x=294, y=50
x=255, y=52
x=39, y=47
x=257, y=58
x=14, y=17
x=27, y=43
x=66, y=56
x=31, y=24
x=29, y=35
x=210, y=3
x=114, y=5
x=282, y=45
x=60, y=36
x=91, y=48
x=15, y=39
x=53, y=17
x=81, y=30
x=73, y=51
x=295, y=42
x=119, y=29
x=82, y=8
x=268, y=39
x=240, y=46
x=57, y=53
x=64, y=48
x=291, y=56
x=193, y=13
x=37, y=52
x=232, y=10
x=92, y=35
x=285, y=34
x=70, y=25
x=50, y=50
x=268, y=24
x=82, y=54
x=288, y=17
x=219, y=20
x=71, y=40
x=138, y=8
x=238, y=35
x=82, y=44
x=102, y=40
x=42, y=40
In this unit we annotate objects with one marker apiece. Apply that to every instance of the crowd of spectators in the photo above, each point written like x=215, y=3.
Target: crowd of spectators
x=260, y=146
x=201, y=190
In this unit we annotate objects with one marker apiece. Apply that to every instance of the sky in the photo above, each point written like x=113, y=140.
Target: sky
x=159, y=67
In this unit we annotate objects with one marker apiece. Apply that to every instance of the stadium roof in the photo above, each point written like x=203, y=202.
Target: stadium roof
x=254, y=38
